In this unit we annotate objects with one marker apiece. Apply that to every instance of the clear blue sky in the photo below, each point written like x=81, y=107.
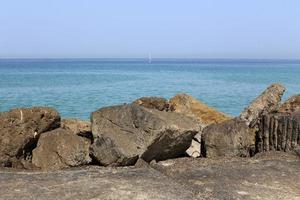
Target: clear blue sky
x=166, y=28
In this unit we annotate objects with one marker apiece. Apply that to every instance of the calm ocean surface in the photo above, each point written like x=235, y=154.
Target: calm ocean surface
x=79, y=86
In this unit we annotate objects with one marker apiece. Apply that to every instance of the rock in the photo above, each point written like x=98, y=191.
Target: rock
x=278, y=131
x=265, y=177
x=157, y=103
x=78, y=127
x=267, y=102
x=229, y=138
x=92, y=182
x=291, y=105
x=140, y=163
x=189, y=106
x=105, y=151
x=20, y=129
x=195, y=149
x=60, y=149
x=127, y=132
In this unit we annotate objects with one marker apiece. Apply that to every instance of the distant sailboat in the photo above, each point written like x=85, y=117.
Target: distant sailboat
x=149, y=58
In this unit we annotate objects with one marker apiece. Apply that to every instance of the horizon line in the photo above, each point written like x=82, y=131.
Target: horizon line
x=139, y=58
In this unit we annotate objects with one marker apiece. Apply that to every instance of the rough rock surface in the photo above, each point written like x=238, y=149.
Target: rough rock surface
x=291, y=105
x=278, y=131
x=230, y=138
x=59, y=149
x=274, y=175
x=130, y=131
x=189, y=106
x=157, y=103
x=20, y=129
x=78, y=127
x=97, y=183
x=267, y=102
x=261, y=177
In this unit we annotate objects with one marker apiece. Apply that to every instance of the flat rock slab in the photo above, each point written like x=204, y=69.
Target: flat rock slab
x=261, y=177
x=91, y=183
x=266, y=176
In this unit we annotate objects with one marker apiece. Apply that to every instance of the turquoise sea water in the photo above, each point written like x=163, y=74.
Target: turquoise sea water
x=79, y=86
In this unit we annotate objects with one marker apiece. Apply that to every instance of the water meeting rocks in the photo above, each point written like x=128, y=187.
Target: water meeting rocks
x=267, y=102
x=124, y=133
x=60, y=149
x=20, y=129
x=229, y=138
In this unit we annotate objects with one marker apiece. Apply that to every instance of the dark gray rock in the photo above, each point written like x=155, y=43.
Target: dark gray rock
x=124, y=133
x=230, y=138
x=60, y=149
x=105, y=151
x=19, y=131
x=267, y=102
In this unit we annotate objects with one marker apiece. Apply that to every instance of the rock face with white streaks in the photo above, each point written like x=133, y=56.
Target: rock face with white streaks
x=267, y=102
x=19, y=131
x=124, y=133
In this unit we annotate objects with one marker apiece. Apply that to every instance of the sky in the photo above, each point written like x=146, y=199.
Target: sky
x=164, y=28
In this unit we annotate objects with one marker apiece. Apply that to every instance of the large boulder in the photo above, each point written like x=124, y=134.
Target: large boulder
x=292, y=104
x=230, y=138
x=20, y=129
x=124, y=133
x=157, y=103
x=267, y=102
x=189, y=106
x=78, y=127
x=60, y=149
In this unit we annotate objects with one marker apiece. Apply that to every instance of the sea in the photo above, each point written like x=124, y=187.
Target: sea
x=77, y=87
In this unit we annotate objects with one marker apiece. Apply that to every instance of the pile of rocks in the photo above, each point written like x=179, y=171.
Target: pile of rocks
x=151, y=129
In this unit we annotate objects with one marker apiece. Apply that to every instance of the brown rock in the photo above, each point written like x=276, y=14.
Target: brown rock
x=157, y=103
x=278, y=131
x=20, y=129
x=191, y=107
x=291, y=105
x=60, y=149
x=127, y=132
x=267, y=102
x=78, y=127
x=230, y=138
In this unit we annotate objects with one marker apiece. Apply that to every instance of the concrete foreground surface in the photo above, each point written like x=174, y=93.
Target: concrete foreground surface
x=272, y=175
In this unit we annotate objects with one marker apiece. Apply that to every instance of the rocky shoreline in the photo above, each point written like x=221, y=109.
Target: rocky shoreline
x=160, y=149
